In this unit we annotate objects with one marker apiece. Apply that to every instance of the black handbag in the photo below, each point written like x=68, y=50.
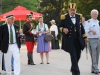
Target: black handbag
x=48, y=37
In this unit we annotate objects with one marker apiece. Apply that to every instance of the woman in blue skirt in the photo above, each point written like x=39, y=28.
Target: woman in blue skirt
x=42, y=46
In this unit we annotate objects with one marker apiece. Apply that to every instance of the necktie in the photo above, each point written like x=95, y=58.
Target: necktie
x=11, y=35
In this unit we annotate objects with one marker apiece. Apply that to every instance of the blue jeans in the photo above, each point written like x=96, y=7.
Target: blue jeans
x=3, y=63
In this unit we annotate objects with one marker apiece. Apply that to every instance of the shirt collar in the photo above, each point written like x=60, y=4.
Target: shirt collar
x=94, y=20
x=28, y=22
x=9, y=25
x=42, y=24
x=71, y=16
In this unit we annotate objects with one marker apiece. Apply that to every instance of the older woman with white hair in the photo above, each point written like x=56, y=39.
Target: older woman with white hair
x=54, y=32
x=93, y=30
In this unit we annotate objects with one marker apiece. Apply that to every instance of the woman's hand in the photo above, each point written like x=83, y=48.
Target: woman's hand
x=39, y=32
x=44, y=32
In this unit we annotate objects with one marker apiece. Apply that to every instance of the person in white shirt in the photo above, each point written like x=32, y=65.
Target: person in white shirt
x=93, y=30
x=54, y=32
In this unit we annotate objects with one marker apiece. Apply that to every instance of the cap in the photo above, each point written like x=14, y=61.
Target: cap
x=72, y=5
x=10, y=16
x=53, y=21
x=29, y=15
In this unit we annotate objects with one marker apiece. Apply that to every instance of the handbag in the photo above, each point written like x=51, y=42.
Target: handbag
x=48, y=37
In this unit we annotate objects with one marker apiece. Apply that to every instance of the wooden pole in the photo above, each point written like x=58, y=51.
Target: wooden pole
x=20, y=24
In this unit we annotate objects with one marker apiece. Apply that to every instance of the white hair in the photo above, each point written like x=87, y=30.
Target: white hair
x=94, y=10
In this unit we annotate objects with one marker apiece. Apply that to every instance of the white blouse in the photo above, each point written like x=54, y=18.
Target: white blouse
x=54, y=28
x=44, y=27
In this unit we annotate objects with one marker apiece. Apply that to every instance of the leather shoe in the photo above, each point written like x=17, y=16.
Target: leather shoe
x=94, y=72
x=73, y=73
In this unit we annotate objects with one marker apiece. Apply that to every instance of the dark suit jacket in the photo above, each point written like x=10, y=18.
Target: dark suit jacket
x=27, y=31
x=4, y=37
x=0, y=38
x=68, y=39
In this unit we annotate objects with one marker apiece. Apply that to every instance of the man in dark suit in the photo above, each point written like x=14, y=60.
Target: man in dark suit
x=10, y=45
x=74, y=37
x=29, y=38
x=0, y=55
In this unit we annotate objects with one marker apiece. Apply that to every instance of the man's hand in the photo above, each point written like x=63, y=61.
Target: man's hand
x=39, y=31
x=94, y=33
x=86, y=40
x=20, y=31
x=65, y=30
x=32, y=32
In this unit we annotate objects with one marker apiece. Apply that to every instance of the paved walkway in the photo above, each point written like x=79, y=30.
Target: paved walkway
x=59, y=64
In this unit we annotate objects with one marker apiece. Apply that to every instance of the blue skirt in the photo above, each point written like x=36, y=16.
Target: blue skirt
x=42, y=46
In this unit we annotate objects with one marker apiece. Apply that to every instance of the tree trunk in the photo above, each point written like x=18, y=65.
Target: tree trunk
x=0, y=6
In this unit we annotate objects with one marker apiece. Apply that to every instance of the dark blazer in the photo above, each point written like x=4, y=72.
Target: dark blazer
x=4, y=37
x=27, y=32
x=68, y=39
x=0, y=38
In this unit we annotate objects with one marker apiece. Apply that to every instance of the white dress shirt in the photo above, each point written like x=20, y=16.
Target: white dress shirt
x=14, y=35
x=54, y=28
x=73, y=19
x=93, y=25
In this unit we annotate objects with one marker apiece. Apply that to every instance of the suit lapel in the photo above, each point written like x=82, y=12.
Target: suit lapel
x=78, y=25
x=15, y=28
x=77, y=22
x=77, y=19
x=69, y=19
x=6, y=29
x=15, y=31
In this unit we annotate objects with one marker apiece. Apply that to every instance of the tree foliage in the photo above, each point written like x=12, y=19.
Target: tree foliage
x=52, y=9
x=85, y=7
x=8, y=5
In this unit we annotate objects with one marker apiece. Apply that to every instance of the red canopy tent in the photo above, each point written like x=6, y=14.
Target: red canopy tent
x=20, y=14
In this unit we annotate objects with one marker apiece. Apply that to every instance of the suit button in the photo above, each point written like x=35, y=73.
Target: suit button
x=70, y=30
x=69, y=36
x=70, y=33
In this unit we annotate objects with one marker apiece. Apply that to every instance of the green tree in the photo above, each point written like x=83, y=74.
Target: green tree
x=10, y=4
x=85, y=7
x=0, y=6
x=52, y=9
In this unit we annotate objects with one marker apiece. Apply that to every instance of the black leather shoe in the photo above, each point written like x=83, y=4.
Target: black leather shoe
x=48, y=63
x=73, y=73
x=31, y=64
x=41, y=63
x=93, y=72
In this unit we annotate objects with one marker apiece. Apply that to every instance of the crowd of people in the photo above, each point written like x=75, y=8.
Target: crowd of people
x=10, y=43
x=76, y=33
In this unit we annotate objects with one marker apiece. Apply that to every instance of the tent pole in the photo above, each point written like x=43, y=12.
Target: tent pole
x=20, y=24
